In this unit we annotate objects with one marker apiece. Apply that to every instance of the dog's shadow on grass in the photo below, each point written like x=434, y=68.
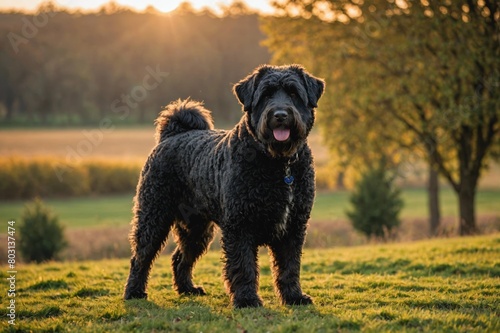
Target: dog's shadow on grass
x=183, y=308
x=189, y=309
x=137, y=305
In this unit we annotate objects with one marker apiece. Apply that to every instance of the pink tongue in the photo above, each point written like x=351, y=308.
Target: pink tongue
x=281, y=134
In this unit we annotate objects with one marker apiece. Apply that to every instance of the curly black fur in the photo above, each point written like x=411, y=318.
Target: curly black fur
x=197, y=177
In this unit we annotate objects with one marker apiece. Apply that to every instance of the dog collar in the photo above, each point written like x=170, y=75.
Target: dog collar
x=288, y=172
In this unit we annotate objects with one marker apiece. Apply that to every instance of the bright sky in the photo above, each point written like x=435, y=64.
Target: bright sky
x=162, y=5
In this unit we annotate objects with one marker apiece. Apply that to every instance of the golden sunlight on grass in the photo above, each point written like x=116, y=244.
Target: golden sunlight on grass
x=124, y=144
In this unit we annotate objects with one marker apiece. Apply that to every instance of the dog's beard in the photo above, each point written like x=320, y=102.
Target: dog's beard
x=283, y=140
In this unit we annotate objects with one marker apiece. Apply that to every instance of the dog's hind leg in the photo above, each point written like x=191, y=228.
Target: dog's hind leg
x=193, y=240
x=151, y=224
x=147, y=242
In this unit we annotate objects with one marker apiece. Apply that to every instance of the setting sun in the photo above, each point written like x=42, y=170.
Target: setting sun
x=163, y=6
x=167, y=6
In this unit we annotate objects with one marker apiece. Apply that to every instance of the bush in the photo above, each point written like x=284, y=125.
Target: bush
x=41, y=235
x=376, y=205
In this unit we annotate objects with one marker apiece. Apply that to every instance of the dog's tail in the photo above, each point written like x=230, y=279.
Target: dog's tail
x=182, y=116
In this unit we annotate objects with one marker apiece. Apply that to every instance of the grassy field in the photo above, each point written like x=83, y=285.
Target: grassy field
x=439, y=285
x=332, y=206
x=124, y=143
x=106, y=211
x=116, y=210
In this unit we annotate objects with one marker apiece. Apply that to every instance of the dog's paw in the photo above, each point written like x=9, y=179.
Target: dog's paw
x=135, y=295
x=252, y=302
x=303, y=299
x=195, y=290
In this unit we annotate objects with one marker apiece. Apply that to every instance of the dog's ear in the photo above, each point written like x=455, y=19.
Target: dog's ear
x=245, y=89
x=314, y=86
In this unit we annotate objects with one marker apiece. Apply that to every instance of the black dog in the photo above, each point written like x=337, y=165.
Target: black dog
x=256, y=182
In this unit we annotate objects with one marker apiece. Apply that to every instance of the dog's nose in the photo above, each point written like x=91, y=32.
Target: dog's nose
x=280, y=115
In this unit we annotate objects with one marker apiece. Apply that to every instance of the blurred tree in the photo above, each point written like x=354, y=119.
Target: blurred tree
x=236, y=8
x=415, y=76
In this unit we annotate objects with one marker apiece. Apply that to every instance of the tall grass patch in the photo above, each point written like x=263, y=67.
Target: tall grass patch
x=110, y=177
x=22, y=178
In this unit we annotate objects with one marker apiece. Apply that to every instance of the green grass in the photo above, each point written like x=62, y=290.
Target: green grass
x=116, y=210
x=487, y=203
x=81, y=212
x=332, y=206
x=440, y=285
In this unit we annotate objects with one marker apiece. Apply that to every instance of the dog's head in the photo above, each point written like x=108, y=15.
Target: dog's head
x=280, y=103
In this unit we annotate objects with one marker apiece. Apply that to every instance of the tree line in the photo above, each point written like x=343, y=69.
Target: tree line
x=61, y=67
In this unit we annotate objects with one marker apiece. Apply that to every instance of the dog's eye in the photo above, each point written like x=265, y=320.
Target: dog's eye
x=267, y=95
x=293, y=95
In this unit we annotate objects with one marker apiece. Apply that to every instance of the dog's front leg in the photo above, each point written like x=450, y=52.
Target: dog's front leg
x=241, y=269
x=285, y=259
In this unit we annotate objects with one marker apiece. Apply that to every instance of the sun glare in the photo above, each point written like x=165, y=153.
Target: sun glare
x=161, y=5
x=169, y=5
